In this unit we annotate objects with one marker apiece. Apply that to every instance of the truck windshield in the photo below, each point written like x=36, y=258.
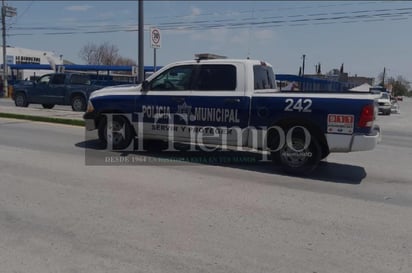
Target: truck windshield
x=384, y=96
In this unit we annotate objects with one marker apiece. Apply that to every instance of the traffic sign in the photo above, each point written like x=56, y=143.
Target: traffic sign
x=155, y=40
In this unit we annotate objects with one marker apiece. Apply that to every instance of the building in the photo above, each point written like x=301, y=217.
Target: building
x=18, y=55
x=361, y=80
x=343, y=77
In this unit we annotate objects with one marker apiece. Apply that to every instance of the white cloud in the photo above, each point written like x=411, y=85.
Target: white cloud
x=78, y=8
x=195, y=12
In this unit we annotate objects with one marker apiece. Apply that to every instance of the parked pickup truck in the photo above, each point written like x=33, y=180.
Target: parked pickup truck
x=57, y=88
x=234, y=103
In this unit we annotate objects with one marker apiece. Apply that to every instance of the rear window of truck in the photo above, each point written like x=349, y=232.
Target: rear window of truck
x=216, y=77
x=264, y=77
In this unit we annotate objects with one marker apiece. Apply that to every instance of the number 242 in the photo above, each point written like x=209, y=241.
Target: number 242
x=300, y=105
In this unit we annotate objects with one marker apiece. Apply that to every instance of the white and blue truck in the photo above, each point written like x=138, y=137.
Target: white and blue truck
x=234, y=103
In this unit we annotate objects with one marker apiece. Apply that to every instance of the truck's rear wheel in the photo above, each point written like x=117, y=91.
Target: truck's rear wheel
x=121, y=132
x=48, y=106
x=78, y=103
x=20, y=100
x=299, y=158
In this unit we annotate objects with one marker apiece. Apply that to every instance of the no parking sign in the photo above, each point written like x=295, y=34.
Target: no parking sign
x=155, y=40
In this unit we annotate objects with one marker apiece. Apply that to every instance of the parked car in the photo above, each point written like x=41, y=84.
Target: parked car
x=384, y=103
x=58, y=88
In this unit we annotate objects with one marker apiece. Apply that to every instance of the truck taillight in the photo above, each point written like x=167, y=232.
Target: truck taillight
x=367, y=116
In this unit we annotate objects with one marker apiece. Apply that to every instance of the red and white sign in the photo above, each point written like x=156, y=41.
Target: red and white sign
x=155, y=40
x=340, y=124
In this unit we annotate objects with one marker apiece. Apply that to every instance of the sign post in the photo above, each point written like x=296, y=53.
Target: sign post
x=155, y=43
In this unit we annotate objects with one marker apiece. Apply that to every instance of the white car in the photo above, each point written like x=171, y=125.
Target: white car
x=384, y=103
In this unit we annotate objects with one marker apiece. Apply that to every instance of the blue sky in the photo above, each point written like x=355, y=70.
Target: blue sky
x=364, y=35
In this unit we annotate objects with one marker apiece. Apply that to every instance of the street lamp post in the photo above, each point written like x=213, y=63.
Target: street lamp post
x=303, y=72
x=303, y=65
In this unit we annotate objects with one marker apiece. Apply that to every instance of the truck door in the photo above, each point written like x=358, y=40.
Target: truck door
x=218, y=106
x=39, y=92
x=161, y=103
x=57, y=89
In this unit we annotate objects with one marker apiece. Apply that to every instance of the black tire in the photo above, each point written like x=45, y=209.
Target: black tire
x=48, y=106
x=78, y=103
x=122, y=133
x=302, y=162
x=20, y=100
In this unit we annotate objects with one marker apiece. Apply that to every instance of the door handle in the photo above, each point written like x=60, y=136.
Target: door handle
x=232, y=100
x=179, y=100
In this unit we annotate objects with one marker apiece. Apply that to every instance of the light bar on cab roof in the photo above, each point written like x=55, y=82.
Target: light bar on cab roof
x=208, y=56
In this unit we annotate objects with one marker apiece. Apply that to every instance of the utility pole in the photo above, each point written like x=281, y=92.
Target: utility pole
x=141, y=43
x=383, y=77
x=6, y=11
x=303, y=65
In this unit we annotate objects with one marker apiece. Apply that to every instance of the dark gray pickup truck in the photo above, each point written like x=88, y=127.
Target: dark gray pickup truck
x=58, y=88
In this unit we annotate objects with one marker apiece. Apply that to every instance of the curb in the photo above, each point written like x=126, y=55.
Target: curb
x=74, y=122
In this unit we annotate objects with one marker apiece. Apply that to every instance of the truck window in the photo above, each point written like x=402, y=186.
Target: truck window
x=80, y=79
x=44, y=79
x=264, y=77
x=177, y=78
x=58, y=79
x=216, y=77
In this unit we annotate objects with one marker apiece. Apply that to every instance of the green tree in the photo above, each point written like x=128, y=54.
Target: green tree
x=400, y=86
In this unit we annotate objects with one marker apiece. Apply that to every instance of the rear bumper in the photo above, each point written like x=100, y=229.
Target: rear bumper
x=354, y=143
x=366, y=142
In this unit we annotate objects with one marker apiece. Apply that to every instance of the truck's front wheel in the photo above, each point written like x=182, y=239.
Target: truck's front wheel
x=300, y=155
x=120, y=132
x=79, y=103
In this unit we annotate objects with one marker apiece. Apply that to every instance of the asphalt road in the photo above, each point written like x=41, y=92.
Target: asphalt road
x=354, y=214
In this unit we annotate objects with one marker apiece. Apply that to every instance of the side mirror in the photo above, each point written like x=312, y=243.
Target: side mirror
x=145, y=85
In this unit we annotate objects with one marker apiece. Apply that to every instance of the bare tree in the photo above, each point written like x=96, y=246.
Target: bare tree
x=125, y=61
x=109, y=54
x=88, y=53
x=104, y=54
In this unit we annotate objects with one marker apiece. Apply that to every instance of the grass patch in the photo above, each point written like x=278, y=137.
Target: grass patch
x=44, y=119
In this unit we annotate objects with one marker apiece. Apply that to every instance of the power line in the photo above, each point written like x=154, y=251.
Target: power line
x=364, y=16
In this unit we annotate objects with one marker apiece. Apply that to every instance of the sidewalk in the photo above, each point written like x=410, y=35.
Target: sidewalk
x=37, y=112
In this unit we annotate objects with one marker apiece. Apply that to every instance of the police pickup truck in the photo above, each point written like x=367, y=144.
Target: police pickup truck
x=56, y=88
x=233, y=103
